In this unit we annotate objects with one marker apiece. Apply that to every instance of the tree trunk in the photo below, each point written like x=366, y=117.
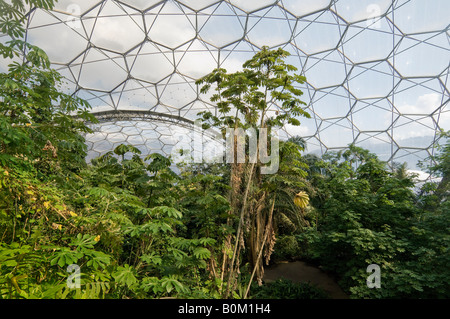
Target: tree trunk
x=257, y=225
x=258, y=263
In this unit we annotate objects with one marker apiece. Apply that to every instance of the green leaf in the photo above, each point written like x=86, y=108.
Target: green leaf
x=125, y=276
x=98, y=259
x=99, y=192
x=169, y=283
x=158, y=163
x=151, y=258
x=202, y=253
x=65, y=257
x=206, y=241
x=167, y=211
x=123, y=149
x=84, y=242
x=10, y=263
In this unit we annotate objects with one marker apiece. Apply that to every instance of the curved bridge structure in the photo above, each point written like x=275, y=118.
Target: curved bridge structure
x=377, y=71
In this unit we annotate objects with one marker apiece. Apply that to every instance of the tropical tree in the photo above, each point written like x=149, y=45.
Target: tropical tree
x=368, y=214
x=247, y=100
x=37, y=120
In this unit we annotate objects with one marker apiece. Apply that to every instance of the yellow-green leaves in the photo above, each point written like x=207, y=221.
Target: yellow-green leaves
x=301, y=199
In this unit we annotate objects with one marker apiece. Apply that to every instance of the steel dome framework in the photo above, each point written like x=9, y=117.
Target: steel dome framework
x=377, y=71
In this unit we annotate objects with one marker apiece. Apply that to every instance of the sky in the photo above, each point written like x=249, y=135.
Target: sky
x=374, y=75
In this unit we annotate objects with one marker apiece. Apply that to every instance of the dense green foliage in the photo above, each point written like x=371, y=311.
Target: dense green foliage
x=370, y=215
x=138, y=230
x=286, y=289
x=126, y=230
x=123, y=222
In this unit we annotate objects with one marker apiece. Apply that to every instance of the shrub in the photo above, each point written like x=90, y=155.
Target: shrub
x=287, y=289
x=286, y=248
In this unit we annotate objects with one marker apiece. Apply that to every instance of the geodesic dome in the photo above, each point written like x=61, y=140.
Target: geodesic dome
x=377, y=71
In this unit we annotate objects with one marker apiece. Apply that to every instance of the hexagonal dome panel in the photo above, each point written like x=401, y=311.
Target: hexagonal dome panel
x=101, y=71
x=150, y=63
x=220, y=25
x=59, y=39
x=304, y=7
x=172, y=25
x=117, y=28
x=377, y=70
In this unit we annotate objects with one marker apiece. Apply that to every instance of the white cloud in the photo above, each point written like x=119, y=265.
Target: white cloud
x=296, y=130
x=116, y=33
x=425, y=104
x=171, y=30
x=304, y=7
x=251, y=5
